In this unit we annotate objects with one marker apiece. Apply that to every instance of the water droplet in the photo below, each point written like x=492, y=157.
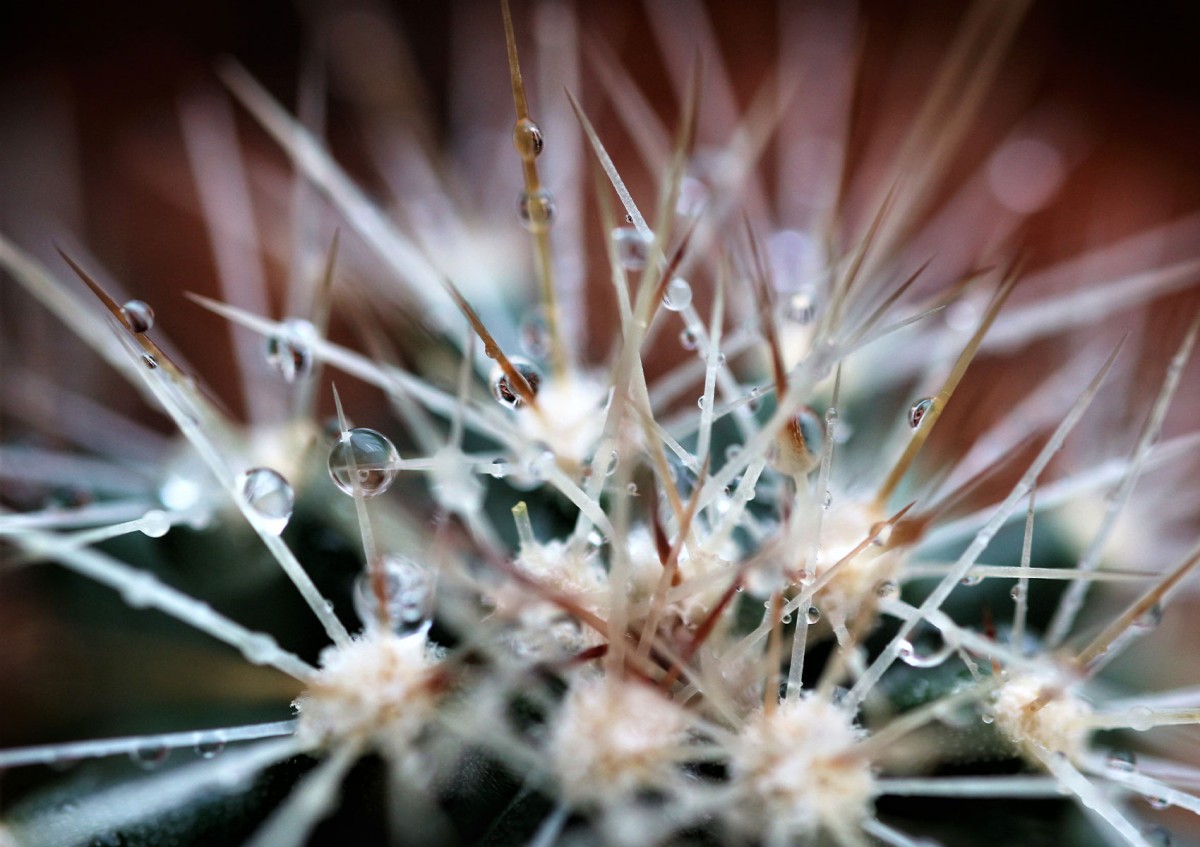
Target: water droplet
x=614, y=461
x=270, y=497
x=801, y=307
x=1158, y=803
x=918, y=410
x=812, y=615
x=688, y=340
x=138, y=316
x=536, y=209
x=799, y=442
x=409, y=589
x=155, y=523
x=209, y=749
x=1121, y=760
x=498, y=469
x=678, y=295
x=910, y=656
x=1141, y=718
x=594, y=538
x=149, y=361
x=633, y=247
x=987, y=716
x=881, y=533
x=632, y=489
x=1149, y=619
x=505, y=392
x=150, y=756
x=827, y=500
x=971, y=580
x=831, y=415
x=786, y=619
x=885, y=588
x=534, y=333
x=1019, y=592
x=365, y=456
x=289, y=349
x=527, y=138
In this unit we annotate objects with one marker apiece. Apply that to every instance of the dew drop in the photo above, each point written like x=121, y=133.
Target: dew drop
x=688, y=340
x=910, y=656
x=209, y=749
x=536, y=209
x=987, y=717
x=885, y=588
x=527, y=138
x=269, y=496
x=290, y=349
x=678, y=295
x=633, y=247
x=1121, y=760
x=138, y=316
x=1158, y=803
x=150, y=757
x=534, y=333
x=702, y=402
x=831, y=415
x=812, y=615
x=786, y=619
x=827, y=500
x=149, y=361
x=410, y=593
x=155, y=523
x=881, y=533
x=971, y=580
x=505, y=392
x=801, y=307
x=1141, y=718
x=1019, y=592
x=1149, y=619
x=632, y=489
x=614, y=461
x=365, y=456
x=918, y=410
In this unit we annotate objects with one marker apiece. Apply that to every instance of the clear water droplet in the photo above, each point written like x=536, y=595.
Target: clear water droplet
x=1158, y=803
x=155, y=523
x=527, y=138
x=534, y=333
x=987, y=716
x=1121, y=760
x=1018, y=593
x=812, y=615
x=209, y=749
x=505, y=392
x=1141, y=718
x=971, y=580
x=138, y=316
x=678, y=295
x=269, y=496
x=801, y=307
x=290, y=349
x=364, y=456
x=688, y=340
x=614, y=461
x=149, y=361
x=881, y=533
x=1149, y=619
x=633, y=248
x=702, y=402
x=910, y=656
x=536, y=209
x=410, y=595
x=827, y=500
x=918, y=410
x=885, y=588
x=150, y=756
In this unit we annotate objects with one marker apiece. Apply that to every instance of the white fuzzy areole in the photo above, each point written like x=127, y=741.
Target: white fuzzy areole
x=374, y=689
x=611, y=738
x=796, y=770
x=1059, y=724
x=569, y=417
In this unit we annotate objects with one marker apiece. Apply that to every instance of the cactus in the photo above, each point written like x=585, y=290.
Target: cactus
x=553, y=598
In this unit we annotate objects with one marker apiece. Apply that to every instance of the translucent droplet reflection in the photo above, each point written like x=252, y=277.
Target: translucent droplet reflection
x=365, y=457
x=269, y=496
x=410, y=593
x=289, y=350
x=138, y=316
x=507, y=394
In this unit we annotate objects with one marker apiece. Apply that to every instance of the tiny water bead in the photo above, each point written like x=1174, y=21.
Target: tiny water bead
x=527, y=138
x=633, y=247
x=289, y=349
x=155, y=523
x=269, y=496
x=800, y=307
x=886, y=588
x=150, y=756
x=1121, y=760
x=364, y=459
x=918, y=410
x=409, y=589
x=931, y=659
x=678, y=295
x=209, y=749
x=138, y=316
x=536, y=209
x=1149, y=619
x=505, y=392
x=688, y=340
x=812, y=615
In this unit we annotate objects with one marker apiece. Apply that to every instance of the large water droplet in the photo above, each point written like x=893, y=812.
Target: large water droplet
x=289, y=349
x=269, y=496
x=150, y=756
x=633, y=247
x=535, y=209
x=918, y=410
x=138, y=316
x=409, y=591
x=364, y=456
x=971, y=580
x=678, y=295
x=505, y=392
x=155, y=523
x=527, y=138
x=1149, y=619
x=812, y=615
x=885, y=588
